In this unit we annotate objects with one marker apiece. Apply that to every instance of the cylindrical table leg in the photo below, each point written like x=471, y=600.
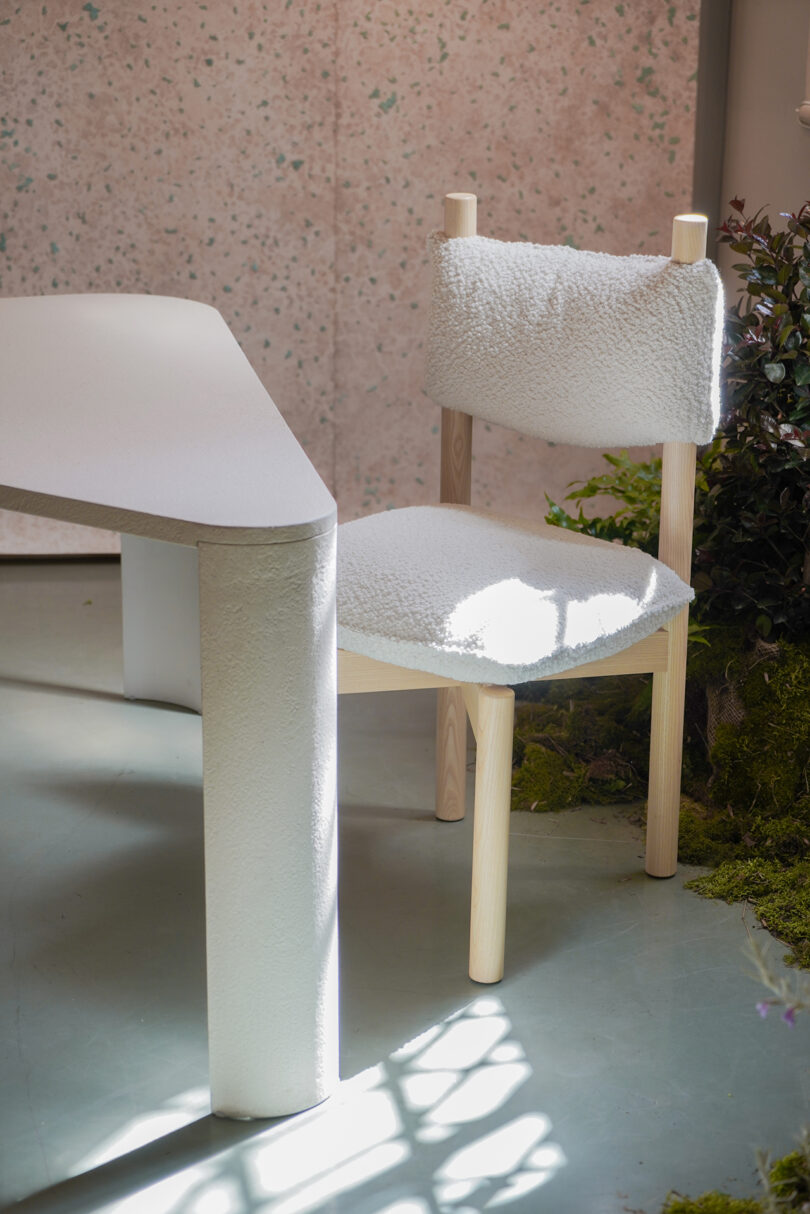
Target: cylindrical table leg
x=267, y=623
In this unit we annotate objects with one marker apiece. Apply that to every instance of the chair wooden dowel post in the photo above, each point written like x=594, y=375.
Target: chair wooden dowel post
x=675, y=550
x=456, y=458
x=666, y=756
x=689, y=234
x=669, y=686
x=460, y=214
x=455, y=488
x=495, y=715
x=451, y=755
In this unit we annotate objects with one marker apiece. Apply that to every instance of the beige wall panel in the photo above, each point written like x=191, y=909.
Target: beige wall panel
x=767, y=152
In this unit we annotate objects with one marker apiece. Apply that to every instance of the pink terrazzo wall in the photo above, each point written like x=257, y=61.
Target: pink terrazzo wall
x=284, y=162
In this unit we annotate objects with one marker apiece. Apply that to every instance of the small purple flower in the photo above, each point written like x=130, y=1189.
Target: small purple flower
x=789, y=1016
x=763, y=1009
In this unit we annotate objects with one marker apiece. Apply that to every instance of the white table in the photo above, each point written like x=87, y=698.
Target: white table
x=141, y=414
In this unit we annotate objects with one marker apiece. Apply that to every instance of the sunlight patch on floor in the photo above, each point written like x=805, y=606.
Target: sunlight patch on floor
x=445, y=1094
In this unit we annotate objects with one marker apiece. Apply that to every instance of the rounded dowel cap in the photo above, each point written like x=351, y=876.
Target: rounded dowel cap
x=460, y=214
x=689, y=237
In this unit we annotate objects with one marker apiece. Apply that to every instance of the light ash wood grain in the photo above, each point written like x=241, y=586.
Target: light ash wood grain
x=451, y=755
x=456, y=458
x=689, y=238
x=492, y=709
x=675, y=550
x=456, y=489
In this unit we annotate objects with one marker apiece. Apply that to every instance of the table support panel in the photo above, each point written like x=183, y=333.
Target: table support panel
x=160, y=614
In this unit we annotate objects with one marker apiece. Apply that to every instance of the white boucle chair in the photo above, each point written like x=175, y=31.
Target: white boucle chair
x=574, y=347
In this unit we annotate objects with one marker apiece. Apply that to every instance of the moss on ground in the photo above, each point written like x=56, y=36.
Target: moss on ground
x=790, y=1178
x=779, y=894
x=712, y=1203
x=763, y=763
x=706, y=836
x=584, y=742
x=788, y=1188
x=547, y=780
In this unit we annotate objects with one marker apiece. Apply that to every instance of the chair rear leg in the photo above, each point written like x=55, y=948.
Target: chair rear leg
x=666, y=755
x=493, y=721
x=451, y=755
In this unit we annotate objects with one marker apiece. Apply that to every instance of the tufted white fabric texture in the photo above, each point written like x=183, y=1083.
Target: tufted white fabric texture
x=267, y=641
x=481, y=598
x=572, y=346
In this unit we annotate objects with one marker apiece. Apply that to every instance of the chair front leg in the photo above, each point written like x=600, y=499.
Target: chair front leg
x=451, y=754
x=492, y=712
x=666, y=755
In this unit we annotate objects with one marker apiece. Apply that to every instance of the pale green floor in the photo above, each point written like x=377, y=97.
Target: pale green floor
x=621, y=1057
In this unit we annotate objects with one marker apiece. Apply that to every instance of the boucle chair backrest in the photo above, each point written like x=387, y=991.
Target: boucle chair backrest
x=572, y=346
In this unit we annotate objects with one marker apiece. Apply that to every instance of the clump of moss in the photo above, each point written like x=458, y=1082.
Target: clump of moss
x=764, y=762
x=779, y=895
x=712, y=1203
x=786, y=837
x=582, y=741
x=547, y=780
x=789, y=1178
x=786, y=1183
x=706, y=836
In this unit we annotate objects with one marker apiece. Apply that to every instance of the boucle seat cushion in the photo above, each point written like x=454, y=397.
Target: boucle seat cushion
x=480, y=598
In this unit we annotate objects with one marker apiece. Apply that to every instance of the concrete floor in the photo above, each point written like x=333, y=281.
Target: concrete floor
x=621, y=1057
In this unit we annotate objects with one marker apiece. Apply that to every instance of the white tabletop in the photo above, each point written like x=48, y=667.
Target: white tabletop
x=140, y=413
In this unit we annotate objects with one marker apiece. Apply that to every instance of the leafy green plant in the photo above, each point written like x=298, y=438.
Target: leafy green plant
x=751, y=528
x=767, y=332
x=636, y=485
x=584, y=742
x=752, y=560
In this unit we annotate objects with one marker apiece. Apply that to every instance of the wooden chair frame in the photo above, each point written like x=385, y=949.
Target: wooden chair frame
x=490, y=708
